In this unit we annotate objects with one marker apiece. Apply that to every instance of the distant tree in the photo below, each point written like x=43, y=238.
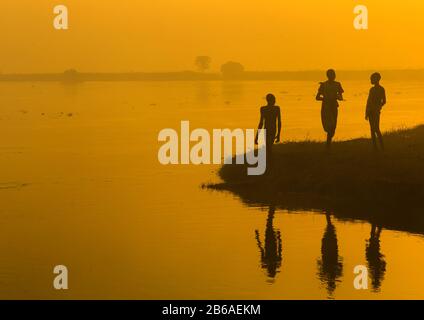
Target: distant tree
x=232, y=69
x=203, y=63
x=70, y=75
x=70, y=71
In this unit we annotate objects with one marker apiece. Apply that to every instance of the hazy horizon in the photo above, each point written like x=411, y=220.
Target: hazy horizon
x=213, y=72
x=167, y=36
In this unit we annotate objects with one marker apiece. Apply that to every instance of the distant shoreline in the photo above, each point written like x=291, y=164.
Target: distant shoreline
x=72, y=76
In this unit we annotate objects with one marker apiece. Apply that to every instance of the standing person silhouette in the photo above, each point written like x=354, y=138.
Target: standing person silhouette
x=271, y=122
x=376, y=101
x=330, y=92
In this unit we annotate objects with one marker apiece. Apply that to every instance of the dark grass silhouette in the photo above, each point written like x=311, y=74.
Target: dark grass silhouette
x=353, y=182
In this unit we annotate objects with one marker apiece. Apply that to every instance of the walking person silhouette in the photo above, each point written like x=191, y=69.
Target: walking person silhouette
x=376, y=101
x=271, y=121
x=330, y=92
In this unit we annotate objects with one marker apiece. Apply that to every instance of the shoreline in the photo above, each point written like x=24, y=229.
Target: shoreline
x=74, y=76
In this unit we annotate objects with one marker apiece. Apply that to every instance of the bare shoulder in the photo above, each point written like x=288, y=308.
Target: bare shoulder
x=378, y=89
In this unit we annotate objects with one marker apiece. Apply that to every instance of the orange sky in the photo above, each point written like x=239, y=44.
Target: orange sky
x=160, y=35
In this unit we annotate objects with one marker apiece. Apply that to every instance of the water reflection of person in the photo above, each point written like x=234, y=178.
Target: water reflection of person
x=271, y=253
x=330, y=267
x=375, y=260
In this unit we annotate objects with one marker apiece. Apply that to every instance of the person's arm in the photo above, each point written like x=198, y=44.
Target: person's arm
x=277, y=138
x=367, y=109
x=383, y=98
x=319, y=96
x=340, y=93
x=260, y=125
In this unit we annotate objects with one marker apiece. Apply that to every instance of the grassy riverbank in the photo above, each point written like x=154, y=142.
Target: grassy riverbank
x=352, y=180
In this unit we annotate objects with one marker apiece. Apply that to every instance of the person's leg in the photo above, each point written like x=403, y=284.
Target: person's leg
x=323, y=118
x=377, y=130
x=329, y=139
x=269, y=153
x=330, y=136
x=373, y=130
x=335, y=117
x=269, y=146
x=327, y=123
x=324, y=121
x=332, y=125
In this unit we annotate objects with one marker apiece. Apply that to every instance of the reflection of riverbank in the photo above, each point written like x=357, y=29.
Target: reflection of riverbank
x=352, y=181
